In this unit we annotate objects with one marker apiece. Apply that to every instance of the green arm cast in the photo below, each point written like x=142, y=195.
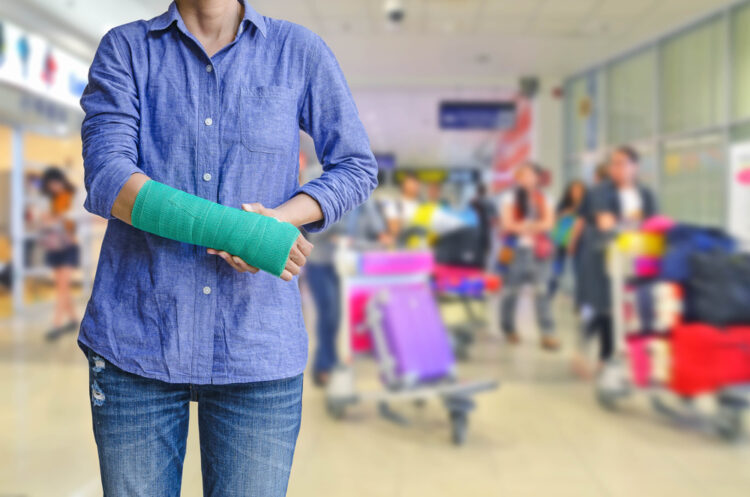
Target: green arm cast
x=261, y=241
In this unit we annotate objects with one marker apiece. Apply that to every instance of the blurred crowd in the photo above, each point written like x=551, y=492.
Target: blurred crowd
x=522, y=234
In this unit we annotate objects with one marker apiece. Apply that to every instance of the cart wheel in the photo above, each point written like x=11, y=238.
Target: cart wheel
x=462, y=338
x=335, y=409
x=729, y=423
x=459, y=427
x=462, y=352
x=607, y=400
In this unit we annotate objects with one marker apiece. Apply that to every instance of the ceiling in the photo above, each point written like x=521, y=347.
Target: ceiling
x=440, y=42
x=443, y=49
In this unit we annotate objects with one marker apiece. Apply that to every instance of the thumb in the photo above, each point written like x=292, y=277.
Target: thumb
x=255, y=207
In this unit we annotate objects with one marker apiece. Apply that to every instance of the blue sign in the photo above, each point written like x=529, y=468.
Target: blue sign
x=467, y=115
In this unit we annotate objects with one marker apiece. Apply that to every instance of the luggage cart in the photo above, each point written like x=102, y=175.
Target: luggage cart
x=465, y=286
x=615, y=382
x=343, y=392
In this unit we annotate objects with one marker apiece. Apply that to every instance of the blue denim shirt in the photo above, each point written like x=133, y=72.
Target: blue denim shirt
x=225, y=128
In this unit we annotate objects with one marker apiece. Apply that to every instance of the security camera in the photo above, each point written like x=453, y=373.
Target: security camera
x=395, y=11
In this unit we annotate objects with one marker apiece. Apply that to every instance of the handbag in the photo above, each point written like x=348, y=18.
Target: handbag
x=506, y=255
x=543, y=247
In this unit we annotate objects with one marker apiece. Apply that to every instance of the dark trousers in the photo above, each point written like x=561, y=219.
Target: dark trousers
x=558, y=268
x=324, y=284
x=601, y=325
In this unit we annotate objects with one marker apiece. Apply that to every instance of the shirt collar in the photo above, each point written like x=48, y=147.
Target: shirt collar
x=172, y=15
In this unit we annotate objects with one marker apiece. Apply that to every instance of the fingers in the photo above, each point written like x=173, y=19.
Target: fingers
x=234, y=262
x=297, y=257
x=229, y=260
x=304, y=246
x=244, y=265
x=255, y=207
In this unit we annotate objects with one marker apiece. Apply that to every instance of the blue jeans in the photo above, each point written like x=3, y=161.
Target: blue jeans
x=247, y=433
x=324, y=284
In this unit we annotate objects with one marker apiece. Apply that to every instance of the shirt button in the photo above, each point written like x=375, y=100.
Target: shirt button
x=208, y=121
x=207, y=177
x=207, y=290
x=209, y=68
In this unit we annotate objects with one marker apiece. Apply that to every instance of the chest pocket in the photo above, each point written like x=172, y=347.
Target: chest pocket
x=268, y=119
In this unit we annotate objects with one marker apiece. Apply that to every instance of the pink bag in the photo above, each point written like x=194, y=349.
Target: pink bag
x=647, y=267
x=543, y=247
x=381, y=263
x=640, y=360
x=359, y=332
x=658, y=224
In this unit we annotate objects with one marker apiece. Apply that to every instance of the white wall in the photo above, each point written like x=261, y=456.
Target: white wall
x=548, y=130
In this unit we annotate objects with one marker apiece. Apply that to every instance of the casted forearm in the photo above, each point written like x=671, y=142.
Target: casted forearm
x=261, y=241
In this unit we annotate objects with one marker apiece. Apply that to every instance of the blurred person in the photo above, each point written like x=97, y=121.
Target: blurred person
x=527, y=218
x=364, y=227
x=601, y=174
x=566, y=215
x=486, y=212
x=62, y=252
x=617, y=203
x=325, y=289
x=399, y=212
x=171, y=125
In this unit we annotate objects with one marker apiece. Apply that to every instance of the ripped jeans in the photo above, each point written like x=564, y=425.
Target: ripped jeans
x=527, y=269
x=248, y=432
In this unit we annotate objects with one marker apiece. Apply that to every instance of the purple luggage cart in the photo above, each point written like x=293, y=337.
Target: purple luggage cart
x=410, y=338
x=411, y=344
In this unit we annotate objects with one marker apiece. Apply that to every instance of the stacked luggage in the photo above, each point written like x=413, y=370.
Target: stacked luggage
x=681, y=297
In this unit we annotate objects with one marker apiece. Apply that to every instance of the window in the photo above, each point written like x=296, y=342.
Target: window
x=741, y=62
x=630, y=98
x=692, y=78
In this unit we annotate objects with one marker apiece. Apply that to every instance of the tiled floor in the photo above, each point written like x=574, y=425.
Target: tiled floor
x=540, y=434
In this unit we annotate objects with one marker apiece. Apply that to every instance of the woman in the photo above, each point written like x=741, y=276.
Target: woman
x=191, y=143
x=618, y=203
x=58, y=238
x=567, y=213
x=527, y=219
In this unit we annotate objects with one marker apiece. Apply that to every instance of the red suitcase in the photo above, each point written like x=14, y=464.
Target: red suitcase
x=705, y=358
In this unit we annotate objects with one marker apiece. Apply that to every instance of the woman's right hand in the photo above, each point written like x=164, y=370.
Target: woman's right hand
x=298, y=255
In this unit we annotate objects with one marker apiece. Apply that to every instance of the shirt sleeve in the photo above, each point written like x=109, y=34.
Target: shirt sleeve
x=110, y=127
x=330, y=116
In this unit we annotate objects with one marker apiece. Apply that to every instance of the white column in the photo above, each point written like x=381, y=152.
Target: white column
x=17, y=227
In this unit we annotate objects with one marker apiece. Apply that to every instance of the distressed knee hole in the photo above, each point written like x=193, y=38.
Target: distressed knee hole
x=97, y=396
x=98, y=364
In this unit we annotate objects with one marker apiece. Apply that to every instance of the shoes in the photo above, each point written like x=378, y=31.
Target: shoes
x=550, y=343
x=513, y=338
x=321, y=378
x=59, y=331
x=581, y=368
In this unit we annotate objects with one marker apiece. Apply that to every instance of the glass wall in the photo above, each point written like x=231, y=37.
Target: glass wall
x=630, y=97
x=741, y=62
x=683, y=101
x=692, y=78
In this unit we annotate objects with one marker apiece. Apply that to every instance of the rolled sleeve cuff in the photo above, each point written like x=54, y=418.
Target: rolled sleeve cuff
x=106, y=186
x=322, y=197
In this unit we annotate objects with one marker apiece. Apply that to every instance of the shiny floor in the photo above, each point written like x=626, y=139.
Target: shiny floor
x=540, y=434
